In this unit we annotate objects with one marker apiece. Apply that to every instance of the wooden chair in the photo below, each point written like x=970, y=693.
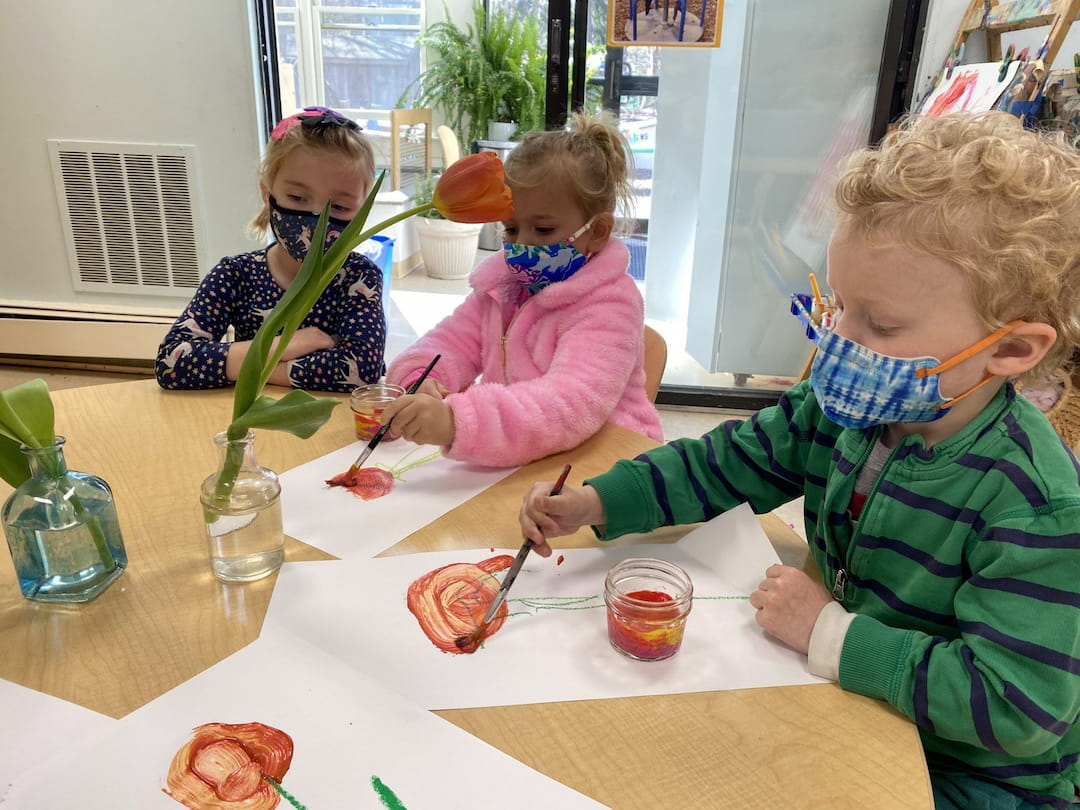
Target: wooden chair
x=451, y=148
x=408, y=118
x=655, y=361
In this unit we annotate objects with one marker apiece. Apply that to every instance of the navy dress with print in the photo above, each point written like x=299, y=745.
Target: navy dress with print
x=240, y=292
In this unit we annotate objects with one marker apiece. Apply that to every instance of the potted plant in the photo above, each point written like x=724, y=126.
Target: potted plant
x=491, y=71
x=448, y=248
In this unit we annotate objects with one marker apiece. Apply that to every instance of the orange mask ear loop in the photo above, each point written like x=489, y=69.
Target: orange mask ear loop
x=967, y=353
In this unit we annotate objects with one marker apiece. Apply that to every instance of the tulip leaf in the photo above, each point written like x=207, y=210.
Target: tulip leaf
x=14, y=468
x=26, y=414
x=26, y=418
x=297, y=413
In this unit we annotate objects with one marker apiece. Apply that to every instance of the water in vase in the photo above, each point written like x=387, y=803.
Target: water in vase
x=245, y=544
x=66, y=562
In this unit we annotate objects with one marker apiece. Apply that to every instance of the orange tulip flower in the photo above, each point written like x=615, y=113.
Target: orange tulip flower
x=473, y=189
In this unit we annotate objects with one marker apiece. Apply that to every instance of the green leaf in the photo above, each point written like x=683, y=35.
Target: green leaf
x=14, y=468
x=298, y=413
x=258, y=366
x=26, y=414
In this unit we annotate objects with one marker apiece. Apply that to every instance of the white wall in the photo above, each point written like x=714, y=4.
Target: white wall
x=942, y=21
x=143, y=71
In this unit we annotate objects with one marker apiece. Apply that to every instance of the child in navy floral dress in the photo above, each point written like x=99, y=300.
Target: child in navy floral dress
x=313, y=157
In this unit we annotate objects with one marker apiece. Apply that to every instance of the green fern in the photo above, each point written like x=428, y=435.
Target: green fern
x=493, y=70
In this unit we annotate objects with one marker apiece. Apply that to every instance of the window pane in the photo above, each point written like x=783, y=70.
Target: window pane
x=367, y=51
x=368, y=70
x=289, y=69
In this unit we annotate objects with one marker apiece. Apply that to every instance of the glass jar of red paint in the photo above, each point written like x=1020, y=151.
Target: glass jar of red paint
x=367, y=403
x=647, y=601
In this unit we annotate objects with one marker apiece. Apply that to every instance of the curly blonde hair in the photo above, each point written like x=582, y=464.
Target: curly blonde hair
x=332, y=139
x=998, y=201
x=591, y=155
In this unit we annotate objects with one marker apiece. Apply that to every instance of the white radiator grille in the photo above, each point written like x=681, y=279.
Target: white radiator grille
x=130, y=214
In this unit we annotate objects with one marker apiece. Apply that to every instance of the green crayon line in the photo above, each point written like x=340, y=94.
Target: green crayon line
x=288, y=796
x=388, y=798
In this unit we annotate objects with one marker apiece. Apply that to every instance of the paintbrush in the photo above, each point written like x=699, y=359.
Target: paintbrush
x=470, y=642
x=412, y=389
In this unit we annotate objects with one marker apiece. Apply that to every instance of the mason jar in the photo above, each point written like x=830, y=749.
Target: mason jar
x=647, y=601
x=367, y=403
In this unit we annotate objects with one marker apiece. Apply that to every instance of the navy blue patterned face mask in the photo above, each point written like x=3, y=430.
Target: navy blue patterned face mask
x=293, y=229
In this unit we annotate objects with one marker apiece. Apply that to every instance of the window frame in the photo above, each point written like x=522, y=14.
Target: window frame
x=309, y=20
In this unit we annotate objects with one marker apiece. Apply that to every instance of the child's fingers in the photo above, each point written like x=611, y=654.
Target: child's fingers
x=391, y=410
x=432, y=388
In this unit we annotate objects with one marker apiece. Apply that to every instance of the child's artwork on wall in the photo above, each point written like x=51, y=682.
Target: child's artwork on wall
x=280, y=724
x=554, y=637
x=970, y=88
x=694, y=23
x=341, y=522
x=37, y=726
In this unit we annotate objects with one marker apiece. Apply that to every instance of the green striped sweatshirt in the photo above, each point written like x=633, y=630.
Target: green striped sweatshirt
x=963, y=569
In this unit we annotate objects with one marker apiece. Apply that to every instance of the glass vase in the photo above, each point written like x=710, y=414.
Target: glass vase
x=242, y=512
x=62, y=530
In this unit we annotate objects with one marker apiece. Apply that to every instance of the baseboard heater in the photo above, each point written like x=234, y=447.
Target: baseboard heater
x=65, y=335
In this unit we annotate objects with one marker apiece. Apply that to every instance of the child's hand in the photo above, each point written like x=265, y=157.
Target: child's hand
x=420, y=418
x=307, y=340
x=544, y=515
x=433, y=388
x=788, y=603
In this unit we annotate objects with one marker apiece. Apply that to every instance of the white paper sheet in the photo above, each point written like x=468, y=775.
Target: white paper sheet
x=357, y=610
x=35, y=726
x=345, y=730
x=348, y=527
x=970, y=88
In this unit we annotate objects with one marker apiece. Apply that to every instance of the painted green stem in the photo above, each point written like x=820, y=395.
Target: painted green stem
x=285, y=794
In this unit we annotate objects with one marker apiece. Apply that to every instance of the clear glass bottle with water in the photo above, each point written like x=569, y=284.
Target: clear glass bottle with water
x=242, y=510
x=62, y=530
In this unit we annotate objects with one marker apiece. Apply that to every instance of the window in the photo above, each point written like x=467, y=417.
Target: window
x=355, y=58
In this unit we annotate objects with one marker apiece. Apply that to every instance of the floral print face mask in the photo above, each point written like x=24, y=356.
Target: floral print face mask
x=538, y=266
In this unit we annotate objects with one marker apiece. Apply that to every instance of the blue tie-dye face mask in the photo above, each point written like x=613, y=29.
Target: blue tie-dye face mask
x=859, y=388
x=537, y=266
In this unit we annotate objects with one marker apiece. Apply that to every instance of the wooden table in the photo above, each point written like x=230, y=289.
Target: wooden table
x=167, y=619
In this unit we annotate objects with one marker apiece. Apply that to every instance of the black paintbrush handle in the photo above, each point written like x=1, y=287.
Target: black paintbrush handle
x=412, y=389
x=519, y=560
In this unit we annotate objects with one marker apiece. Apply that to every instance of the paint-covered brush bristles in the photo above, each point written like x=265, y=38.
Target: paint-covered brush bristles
x=470, y=642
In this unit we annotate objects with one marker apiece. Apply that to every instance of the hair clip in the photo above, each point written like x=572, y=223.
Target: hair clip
x=317, y=119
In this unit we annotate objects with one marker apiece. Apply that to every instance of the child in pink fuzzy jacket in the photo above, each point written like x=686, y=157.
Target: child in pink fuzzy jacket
x=548, y=346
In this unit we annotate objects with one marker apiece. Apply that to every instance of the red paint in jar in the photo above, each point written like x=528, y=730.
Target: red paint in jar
x=647, y=601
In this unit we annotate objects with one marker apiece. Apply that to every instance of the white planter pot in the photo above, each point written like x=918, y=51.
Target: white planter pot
x=448, y=248
x=501, y=131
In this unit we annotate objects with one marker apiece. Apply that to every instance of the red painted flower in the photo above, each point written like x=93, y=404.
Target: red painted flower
x=450, y=602
x=364, y=482
x=474, y=189
x=225, y=766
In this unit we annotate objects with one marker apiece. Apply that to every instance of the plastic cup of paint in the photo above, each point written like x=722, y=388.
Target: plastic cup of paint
x=367, y=403
x=647, y=601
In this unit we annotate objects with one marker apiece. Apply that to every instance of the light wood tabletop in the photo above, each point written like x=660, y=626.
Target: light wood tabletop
x=167, y=619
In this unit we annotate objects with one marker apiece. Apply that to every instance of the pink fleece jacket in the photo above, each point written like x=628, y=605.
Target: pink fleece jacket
x=550, y=373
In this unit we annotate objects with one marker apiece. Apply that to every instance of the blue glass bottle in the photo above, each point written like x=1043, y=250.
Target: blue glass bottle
x=62, y=530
